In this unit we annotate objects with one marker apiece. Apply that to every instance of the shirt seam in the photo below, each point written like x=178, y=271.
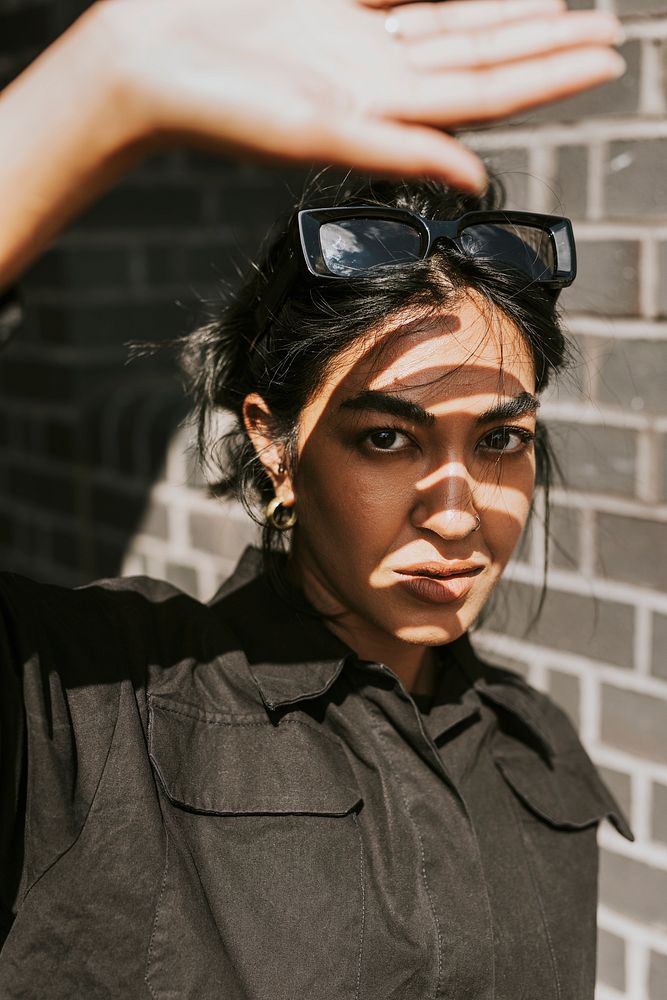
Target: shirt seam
x=363, y=903
x=266, y=723
x=538, y=896
x=408, y=810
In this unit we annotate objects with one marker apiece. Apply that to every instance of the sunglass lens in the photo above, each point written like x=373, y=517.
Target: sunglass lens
x=524, y=248
x=357, y=244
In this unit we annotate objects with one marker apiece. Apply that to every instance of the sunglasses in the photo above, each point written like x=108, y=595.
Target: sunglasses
x=343, y=243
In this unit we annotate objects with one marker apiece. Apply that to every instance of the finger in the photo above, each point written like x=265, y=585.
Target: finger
x=393, y=148
x=483, y=94
x=421, y=20
x=519, y=40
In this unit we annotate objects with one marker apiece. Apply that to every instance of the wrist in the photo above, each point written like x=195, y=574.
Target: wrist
x=102, y=72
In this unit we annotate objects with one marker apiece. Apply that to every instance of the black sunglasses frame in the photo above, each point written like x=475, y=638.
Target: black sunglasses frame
x=304, y=245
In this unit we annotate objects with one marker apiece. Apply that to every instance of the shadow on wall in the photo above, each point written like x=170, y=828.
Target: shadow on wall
x=84, y=433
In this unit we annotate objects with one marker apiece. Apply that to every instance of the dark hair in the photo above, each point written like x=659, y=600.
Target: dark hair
x=285, y=358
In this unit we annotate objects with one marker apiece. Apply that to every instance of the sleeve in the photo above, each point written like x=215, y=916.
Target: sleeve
x=12, y=770
x=71, y=661
x=61, y=663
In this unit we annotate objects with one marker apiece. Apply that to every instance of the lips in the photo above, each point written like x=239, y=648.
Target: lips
x=439, y=583
x=441, y=571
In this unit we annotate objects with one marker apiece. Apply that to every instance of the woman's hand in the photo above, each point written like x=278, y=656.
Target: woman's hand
x=364, y=84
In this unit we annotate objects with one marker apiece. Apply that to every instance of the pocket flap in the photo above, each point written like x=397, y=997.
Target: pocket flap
x=566, y=790
x=212, y=763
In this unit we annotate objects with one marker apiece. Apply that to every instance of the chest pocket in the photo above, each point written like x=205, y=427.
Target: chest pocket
x=566, y=792
x=263, y=880
x=558, y=804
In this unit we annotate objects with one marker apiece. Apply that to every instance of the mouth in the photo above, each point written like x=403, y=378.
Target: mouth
x=434, y=571
x=434, y=583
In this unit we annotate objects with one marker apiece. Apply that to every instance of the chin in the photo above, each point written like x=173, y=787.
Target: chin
x=432, y=635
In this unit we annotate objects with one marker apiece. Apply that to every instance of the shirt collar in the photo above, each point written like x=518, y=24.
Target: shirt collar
x=504, y=690
x=293, y=656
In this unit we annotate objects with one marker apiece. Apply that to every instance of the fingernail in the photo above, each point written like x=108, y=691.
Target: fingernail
x=617, y=64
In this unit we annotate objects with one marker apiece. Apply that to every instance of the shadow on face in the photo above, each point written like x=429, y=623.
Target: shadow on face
x=414, y=476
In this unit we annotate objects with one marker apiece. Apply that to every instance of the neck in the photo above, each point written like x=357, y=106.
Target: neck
x=416, y=666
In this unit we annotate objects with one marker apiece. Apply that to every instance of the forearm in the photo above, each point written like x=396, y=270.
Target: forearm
x=67, y=134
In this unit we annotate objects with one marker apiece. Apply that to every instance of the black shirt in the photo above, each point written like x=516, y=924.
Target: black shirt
x=224, y=801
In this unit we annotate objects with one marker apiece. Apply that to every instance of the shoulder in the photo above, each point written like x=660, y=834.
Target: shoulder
x=111, y=626
x=542, y=757
x=556, y=723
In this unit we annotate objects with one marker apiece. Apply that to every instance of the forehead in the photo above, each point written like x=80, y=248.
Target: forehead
x=466, y=352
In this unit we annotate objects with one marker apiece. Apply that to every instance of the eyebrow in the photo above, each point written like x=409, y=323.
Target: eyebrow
x=399, y=406
x=385, y=402
x=510, y=409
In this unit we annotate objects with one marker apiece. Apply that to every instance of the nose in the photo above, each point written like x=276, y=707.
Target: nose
x=445, y=503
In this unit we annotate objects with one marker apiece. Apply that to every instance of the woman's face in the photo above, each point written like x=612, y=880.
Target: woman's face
x=413, y=440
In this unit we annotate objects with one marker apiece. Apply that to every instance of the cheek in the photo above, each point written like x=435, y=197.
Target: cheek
x=348, y=500
x=505, y=514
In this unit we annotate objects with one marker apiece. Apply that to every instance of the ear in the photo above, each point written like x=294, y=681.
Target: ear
x=271, y=453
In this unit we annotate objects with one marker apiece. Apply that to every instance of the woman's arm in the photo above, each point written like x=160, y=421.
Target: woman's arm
x=301, y=80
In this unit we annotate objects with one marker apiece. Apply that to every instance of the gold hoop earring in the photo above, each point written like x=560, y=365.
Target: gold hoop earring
x=270, y=511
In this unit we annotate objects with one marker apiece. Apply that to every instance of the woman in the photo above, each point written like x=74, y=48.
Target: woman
x=312, y=786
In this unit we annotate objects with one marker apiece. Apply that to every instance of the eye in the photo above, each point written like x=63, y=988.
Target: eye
x=387, y=439
x=506, y=440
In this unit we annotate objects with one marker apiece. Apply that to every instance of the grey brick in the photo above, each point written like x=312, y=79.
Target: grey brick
x=633, y=374
x=37, y=379
x=221, y=535
x=641, y=7
x=659, y=812
x=196, y=162
x=636, y=179
x=156, y=520
x=258, y=204
x=611, y=960
x=633, y=888
x=595, y=458
x=66, y=549
x=208, y=261
x=124, y=509
x=573, y=381
x=599, y=629
x=134, y=205
x=60, y=439
x=511, y=166
x=662, y=267
x=620, y=785
x=564, y=534
x=184, y=577
x=659, y=665
x=657, y=976
x=97, y=326
x=607, y=279
x=565, y=689
x=634, y=722
x=632, y=550
x=572, y=179
x=43, y=488
x=63, y=268
x=618, y=97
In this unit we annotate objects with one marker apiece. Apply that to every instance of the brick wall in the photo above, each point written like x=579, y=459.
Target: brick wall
x=98, y=477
